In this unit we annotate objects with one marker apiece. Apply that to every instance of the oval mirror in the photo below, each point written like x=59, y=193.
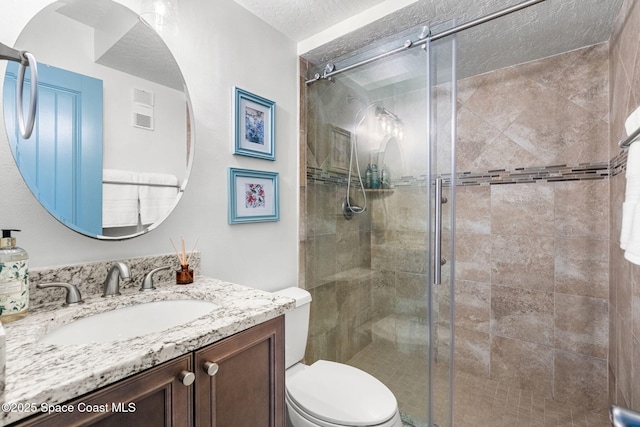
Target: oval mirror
x=111, y=151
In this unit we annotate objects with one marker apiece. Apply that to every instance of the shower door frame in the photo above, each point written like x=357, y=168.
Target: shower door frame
x=436, y=201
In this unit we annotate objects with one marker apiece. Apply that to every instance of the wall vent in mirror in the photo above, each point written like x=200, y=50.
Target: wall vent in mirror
x=137, y=79
x=143, y=97
x=143, y=109
x=142, y=120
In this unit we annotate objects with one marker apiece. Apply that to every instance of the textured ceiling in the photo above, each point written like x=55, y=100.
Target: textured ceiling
x=545, y=29
x=136, y=50
x=300, y=19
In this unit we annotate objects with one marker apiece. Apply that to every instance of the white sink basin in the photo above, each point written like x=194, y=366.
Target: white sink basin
x=128, y=322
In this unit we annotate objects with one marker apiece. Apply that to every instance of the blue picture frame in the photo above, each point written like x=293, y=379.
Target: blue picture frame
x=253, y=196
x=254, y=125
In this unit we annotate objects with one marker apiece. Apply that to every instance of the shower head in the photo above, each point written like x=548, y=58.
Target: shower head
x=383, y=112
x=390, y=122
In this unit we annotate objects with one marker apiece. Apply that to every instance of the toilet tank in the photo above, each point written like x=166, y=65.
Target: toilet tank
x=296, y=325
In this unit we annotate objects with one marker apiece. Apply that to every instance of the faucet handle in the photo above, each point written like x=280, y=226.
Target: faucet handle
x=147, y=283
x=73, y=293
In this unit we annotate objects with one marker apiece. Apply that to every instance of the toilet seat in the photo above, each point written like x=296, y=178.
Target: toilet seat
x=333, y=394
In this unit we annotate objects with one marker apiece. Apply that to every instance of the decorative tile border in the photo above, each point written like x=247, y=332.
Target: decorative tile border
x=327, y=177
x=619, y=163
x=555, y=173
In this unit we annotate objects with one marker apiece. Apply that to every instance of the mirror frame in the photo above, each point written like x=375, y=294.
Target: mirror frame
x=190, y=135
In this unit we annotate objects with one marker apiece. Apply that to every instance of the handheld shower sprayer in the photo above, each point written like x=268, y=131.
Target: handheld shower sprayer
x=348, y=208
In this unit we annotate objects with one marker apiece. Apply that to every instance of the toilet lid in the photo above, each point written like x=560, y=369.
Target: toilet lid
x=341, y=394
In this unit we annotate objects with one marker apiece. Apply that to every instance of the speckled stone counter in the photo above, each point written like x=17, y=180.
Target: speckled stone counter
x=38, y=373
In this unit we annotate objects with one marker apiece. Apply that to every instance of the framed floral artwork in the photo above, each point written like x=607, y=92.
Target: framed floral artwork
x=253, y=196
x=254, y=121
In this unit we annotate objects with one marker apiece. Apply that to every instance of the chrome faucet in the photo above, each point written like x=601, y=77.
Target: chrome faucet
x=147, y=283
x=73, y=293
x=112, y=282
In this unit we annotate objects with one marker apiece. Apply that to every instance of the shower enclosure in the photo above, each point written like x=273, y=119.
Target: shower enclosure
x=531, y=242
x=378, y=258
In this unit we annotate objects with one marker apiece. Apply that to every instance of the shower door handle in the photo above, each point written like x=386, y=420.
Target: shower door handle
x=438, y=261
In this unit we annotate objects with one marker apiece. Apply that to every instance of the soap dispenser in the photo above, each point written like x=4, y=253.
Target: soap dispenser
x=14, y=279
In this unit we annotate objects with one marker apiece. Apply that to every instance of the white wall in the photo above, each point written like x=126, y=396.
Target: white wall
x=219, y=45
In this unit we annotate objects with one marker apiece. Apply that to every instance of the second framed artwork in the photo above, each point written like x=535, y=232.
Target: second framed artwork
x=253, y=196
x=254, y=119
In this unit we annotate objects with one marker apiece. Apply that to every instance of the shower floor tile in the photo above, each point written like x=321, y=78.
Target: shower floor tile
x=478, y=402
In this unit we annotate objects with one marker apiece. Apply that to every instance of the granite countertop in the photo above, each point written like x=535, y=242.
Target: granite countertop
x=38, y=374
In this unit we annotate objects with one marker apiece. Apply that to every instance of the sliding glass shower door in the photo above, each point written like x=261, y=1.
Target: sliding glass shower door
x=378, y=246
x=441, y=81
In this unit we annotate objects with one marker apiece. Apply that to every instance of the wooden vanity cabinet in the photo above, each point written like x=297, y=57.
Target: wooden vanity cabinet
x=239, y=382
x=153, y=398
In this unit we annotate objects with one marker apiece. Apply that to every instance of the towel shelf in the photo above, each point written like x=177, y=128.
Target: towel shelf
x=141, y=183
x=625, y=143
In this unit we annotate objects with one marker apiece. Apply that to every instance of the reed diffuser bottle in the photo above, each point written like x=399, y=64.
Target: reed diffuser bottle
x=184, y=275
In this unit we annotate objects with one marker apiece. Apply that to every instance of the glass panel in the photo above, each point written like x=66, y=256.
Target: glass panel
x=442, y=119
x=368, y=261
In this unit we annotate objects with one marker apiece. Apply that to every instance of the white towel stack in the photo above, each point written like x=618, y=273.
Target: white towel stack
x=119, y=201
x=157, y=199
x=630, y=232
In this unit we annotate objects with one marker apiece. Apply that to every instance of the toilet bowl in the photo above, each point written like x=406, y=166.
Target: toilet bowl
x=329, y=394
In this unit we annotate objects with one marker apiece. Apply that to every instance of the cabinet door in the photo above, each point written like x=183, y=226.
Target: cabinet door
x=154, y=398
x=248, y=388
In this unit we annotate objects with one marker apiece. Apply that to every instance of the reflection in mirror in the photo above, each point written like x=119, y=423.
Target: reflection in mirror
x=113, y=144
x=390, y=158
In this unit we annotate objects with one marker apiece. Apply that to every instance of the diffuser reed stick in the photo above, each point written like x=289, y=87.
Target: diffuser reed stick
x=177, y=253
x=182, y=254
x=193, y=250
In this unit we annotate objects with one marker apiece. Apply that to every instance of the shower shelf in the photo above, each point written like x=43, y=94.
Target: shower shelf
x=379, y=190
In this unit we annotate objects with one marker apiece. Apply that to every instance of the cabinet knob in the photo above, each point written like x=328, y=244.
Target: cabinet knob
x=210, y=368
x=187, y=378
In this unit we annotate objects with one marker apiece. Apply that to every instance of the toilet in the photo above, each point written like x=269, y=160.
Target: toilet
x=329, y=394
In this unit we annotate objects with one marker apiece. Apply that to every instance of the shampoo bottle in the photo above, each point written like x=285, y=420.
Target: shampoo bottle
x=14, y=279
x=367, y=177
x=375, y=176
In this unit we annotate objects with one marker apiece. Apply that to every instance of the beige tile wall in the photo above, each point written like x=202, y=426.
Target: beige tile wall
x=531, y=291
x=624, y=291
x=532, y=259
